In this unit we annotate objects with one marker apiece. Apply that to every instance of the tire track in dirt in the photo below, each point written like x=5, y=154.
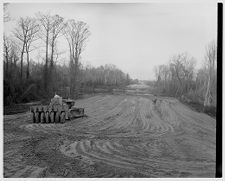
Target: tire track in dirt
x=121, y=119
x=162, y=139
x=99, y=154
x=159, y=118
x=103, y=120
x=14, y=164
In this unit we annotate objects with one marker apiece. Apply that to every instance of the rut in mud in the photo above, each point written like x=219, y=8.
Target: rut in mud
x=123, y=136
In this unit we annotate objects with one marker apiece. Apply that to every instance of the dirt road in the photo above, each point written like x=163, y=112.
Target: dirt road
x=123, y=136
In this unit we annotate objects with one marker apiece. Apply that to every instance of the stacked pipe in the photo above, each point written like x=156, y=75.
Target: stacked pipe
x=45, y=114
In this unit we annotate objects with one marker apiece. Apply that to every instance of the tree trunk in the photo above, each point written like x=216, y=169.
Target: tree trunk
x=28, y=65
x=21, y=65
x=208, y=97
x=52, y=56
x=46, y=64
x=76, y=82
x=74, y=76
x=72, y=87
x=11, y=64
x=7, y=63
x=50, y=76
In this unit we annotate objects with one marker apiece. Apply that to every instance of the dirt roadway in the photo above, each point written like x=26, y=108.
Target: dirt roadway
x=123, y=136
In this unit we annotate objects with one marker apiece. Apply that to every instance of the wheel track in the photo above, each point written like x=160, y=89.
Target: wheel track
x=166, y=132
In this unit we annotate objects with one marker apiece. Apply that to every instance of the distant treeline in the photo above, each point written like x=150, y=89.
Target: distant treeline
x=26, y=80
x=180, y=78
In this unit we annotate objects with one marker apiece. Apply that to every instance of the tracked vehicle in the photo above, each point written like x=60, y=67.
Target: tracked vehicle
x=58, y=111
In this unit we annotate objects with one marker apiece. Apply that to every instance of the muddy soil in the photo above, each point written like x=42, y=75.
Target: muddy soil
x=123, y=136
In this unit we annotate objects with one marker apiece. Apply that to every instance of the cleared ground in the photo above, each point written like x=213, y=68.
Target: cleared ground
x=123, y=136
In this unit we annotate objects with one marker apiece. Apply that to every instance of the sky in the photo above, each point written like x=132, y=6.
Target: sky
x=133, y=36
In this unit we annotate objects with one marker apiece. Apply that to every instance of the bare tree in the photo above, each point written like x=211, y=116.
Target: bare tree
x=7, y=49
x=210, y=59
x=52, y=26
x=46, y=24
x=182, y=70
x=32, y=36
x=57, y=27
x=76, y=33
x=10, y=54
x=25, y=33
x=157, y=72
x=176, y=78
x=108, y=75
x=176, y=69
x=14, y=58
x=165, y=74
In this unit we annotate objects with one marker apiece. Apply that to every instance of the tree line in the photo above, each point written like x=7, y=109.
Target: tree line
x=180, y=78
x=25, y=78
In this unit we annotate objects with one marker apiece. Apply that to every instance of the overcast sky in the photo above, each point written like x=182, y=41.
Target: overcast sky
x=134, y=37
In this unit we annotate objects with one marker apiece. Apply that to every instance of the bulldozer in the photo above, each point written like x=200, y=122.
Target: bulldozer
x=58, y=111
